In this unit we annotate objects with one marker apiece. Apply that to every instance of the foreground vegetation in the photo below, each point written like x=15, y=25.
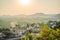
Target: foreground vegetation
x=48, y=31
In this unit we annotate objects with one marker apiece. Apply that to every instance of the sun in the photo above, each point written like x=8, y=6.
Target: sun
x=24, y=2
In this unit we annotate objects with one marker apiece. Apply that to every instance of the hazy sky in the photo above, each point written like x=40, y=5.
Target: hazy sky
x=13, y=7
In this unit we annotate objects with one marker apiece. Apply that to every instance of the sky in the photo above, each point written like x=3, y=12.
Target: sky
x=13, y=7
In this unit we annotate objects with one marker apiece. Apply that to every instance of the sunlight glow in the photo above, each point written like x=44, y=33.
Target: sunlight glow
x=24, y=2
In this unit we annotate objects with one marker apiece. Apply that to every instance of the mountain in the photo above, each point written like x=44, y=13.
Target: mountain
x=44, y=16
x=5, y=20
x=33, y=17
x=57, y=16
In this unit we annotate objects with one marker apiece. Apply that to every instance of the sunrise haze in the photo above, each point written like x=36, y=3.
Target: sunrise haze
x=15, y=7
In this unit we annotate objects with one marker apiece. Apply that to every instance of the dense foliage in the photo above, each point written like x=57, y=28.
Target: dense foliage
x=46, y=32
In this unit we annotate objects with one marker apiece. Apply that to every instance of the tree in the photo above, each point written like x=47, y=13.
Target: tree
x=49, y=34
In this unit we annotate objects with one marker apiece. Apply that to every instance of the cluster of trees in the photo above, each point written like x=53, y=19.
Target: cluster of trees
x=5, y=33
x=47, y=32
x=54, y=24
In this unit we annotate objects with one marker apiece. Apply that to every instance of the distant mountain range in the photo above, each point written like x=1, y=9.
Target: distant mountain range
x=37, y=16
x=45, y=16
x=5, y=20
